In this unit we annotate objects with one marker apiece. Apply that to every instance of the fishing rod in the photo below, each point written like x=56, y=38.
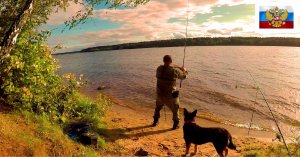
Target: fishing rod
x=250, y=125
x=186, y=36
x=286, y=147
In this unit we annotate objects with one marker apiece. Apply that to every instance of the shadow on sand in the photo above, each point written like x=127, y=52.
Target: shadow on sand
x=121, y=133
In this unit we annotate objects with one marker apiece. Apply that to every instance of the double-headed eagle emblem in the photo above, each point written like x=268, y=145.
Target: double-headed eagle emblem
x=276, y=17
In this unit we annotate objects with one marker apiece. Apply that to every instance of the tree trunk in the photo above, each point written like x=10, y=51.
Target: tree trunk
x=10, y=37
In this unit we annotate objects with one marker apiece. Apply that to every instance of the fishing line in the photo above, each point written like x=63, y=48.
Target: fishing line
x=186, y=35
x=270, y=112
x=252, y=113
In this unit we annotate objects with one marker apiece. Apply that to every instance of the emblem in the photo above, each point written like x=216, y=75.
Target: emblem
x=276, y=17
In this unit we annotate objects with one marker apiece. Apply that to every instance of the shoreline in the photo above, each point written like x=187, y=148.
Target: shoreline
x=80, y=51
x=128, y=130
x=264, y=135
x=205, y=119
x=199, y=41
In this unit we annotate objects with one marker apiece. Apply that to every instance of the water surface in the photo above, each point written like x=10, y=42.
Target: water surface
x=218, y=83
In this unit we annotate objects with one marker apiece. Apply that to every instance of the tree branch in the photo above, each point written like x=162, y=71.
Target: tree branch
x=10, y=37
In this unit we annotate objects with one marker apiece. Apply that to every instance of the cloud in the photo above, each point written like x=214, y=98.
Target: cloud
x=152, y=22
x=225, y=32
x=178, y=35
x=217, y=16
x=147, y=22
x=60, y=16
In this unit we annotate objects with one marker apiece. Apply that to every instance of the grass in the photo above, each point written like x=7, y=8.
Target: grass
x=252, y=150
x=27, y=134
x=31, y=135
x=271, y=150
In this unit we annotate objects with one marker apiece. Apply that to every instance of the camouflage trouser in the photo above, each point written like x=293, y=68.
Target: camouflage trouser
x=172, y=103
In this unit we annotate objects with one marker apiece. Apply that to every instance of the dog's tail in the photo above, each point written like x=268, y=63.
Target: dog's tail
x=230, y=144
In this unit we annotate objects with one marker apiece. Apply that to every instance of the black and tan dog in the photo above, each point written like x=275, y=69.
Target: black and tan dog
x=197, y=135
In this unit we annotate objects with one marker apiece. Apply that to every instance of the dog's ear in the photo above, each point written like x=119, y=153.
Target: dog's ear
x=194, y=113
x=185, y=112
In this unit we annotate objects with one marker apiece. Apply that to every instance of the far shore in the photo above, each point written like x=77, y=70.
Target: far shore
x=202, y=41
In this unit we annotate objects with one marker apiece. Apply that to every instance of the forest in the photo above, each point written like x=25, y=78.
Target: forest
x=201, y=41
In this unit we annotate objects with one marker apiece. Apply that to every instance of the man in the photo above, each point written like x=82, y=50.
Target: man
x=166, y=89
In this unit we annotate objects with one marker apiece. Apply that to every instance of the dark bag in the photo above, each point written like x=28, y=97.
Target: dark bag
x=175, y=94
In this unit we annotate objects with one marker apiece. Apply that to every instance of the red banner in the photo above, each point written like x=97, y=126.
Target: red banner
x=267, y=25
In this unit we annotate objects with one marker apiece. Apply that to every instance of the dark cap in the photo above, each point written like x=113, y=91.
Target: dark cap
x=167, y=58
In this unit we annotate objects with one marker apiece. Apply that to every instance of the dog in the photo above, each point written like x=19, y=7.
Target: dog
x=198, y=135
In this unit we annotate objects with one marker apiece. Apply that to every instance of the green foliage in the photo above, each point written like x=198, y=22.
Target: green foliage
x=101, y=143
x=31, y=84
x=28, y=75
x=12, y=9
x=29, y=78
x=89, y=6
x=82, y=109
x=276, y=150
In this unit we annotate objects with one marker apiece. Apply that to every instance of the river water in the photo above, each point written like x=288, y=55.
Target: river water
x=219, y=81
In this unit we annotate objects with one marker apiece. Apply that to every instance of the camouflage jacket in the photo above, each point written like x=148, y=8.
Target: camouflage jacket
x=166, y=79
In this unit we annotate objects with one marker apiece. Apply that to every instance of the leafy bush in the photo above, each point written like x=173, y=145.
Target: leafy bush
x=82, y=109
x=28, y=75
x=30, y=83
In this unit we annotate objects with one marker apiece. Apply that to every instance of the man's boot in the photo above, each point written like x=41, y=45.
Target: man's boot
x=175, y=125
x=155, y=122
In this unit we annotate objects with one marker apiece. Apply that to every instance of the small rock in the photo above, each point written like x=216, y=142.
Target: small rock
x=135, y=138
x=170, y=154
x=141, y=152
x=116, y=119
x=101, y=87
x=163, y=146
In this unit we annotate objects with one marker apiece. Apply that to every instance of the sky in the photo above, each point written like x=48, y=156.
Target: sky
x=164, y=19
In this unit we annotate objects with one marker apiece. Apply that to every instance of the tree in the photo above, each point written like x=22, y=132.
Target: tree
x=27, y=69
x=13, y=30
x=16, y=14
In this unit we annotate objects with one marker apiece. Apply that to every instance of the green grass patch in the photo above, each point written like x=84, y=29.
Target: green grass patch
x=43, y=135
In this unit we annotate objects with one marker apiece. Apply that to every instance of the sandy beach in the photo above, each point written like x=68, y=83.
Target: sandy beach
x=129, y=130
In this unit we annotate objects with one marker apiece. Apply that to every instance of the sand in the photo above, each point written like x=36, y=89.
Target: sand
x=127, y=130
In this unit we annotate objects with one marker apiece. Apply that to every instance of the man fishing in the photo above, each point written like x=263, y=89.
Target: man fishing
x=166, y=93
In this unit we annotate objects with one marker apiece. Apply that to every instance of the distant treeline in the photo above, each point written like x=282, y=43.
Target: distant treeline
x=230, y=41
